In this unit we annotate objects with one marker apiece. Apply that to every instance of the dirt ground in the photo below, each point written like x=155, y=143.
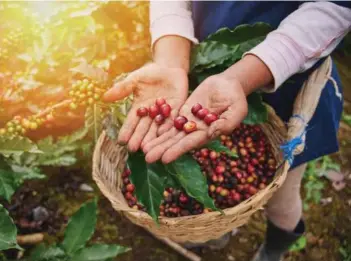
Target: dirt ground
x=328, y=226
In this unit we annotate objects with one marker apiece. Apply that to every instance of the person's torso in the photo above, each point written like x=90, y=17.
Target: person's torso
x=209, y=16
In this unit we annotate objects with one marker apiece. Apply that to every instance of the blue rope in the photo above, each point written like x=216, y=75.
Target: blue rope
x=289, y=147
x=299, y=117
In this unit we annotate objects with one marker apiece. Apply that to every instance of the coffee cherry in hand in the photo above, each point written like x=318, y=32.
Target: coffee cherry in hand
x=142, y=112
x=179, y=122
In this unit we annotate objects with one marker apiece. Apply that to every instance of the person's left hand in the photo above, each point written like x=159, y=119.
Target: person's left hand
x=219, y=95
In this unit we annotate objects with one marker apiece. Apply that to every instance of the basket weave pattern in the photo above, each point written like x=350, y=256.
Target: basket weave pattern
x=109, y=161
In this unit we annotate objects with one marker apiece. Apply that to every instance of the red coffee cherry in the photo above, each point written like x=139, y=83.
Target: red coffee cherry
x=165, y=110
x=196, y=108
x=179, y=122
x=202, y=113
x=153, y=111
x=159, y=119
x=160, y=101
x=142, y=112
x=209, y=118
x=190, y=126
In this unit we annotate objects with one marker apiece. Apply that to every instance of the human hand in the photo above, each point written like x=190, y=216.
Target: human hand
x=219, y=95
x=147, y=84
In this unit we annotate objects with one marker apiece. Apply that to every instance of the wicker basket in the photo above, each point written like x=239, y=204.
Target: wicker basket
x=109, y=161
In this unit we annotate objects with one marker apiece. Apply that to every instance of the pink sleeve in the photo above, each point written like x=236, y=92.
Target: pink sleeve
x=171, y=18
x=304, y=37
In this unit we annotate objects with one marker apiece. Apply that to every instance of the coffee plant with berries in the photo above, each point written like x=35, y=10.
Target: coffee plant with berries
x=54, y=68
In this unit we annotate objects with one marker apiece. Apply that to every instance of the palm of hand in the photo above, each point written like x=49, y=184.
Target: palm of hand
x=146, y=85
x=218, y=96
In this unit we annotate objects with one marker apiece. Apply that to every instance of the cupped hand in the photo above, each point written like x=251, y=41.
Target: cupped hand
x=147, y=84
x=219, y=95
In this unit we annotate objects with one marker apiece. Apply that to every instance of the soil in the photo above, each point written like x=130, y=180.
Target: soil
x=328, y=226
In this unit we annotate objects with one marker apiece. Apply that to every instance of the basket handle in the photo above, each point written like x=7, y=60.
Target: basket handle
x=304, y=107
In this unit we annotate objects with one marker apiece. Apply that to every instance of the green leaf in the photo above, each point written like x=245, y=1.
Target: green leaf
x=172, y=181
x=245, y=36
x=299, y=244
x=149, y=181
x=99, y=252
x=192, y=180
x=7, y=184
x=210, y=54
x=94, y=121
x=80, y=228
x=217, y=146
x=8, y=231
x=226, y=46
x=25, y=173
x=16, y=146
x=44, y=253
x=64, y=160
x=257, y=110
x=74, y=137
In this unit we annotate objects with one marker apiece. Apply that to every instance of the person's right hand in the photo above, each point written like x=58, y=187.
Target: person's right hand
x=147, y=84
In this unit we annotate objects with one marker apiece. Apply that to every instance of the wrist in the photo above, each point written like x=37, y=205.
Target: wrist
x=251, y=72
x=173, y=52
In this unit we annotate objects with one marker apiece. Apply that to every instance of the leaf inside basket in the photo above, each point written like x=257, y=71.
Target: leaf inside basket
x=149, y=181
x=189, y=175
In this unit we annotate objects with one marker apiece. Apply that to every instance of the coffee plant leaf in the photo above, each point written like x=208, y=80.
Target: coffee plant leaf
x=210, y=54
x=61, y=152
x=8, y=185
x=64, y=160
x=91, y=72
x=227, y=46
x=74, y=137
x=99, y=252
x=217, y=146
x=8, y=231
x=172, y=180
x=189, y=175
x=243, y=35
x=80, y=228
x=16, y=146
x=149, y=181
x=22, y=173
x=94, y=121
x=47, y=253
x=257, y=111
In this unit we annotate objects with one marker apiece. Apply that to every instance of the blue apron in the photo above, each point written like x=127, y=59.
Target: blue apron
x=321, y=136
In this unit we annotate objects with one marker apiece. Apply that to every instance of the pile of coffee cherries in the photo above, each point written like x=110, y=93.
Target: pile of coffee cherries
x=159, y=111
x=231, y=180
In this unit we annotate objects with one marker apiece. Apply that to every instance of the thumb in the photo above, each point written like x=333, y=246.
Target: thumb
x=228, y=120
x=120, y=90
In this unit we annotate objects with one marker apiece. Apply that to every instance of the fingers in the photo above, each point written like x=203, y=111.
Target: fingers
x=140, y=131
x=120, y=90
x=128, y=126
x=182, y=146
x=156, y=152
x=168, y=124
x=151, y=135
x=161, y=139
x=228, y=120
